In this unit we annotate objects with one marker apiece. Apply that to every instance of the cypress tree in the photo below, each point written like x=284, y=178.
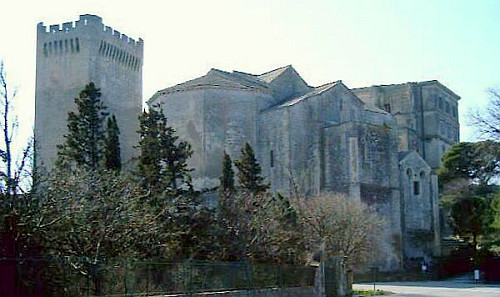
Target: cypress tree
x=85, y=142
x=112, y=149
x=149, y=165
x=163, y=159
x=227, y=176
x=249, y=171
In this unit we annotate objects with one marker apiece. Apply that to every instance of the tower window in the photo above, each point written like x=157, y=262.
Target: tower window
x=416, y=188
x=77, y=45
x=271, y=158
x=387, y=107
x=440, y=103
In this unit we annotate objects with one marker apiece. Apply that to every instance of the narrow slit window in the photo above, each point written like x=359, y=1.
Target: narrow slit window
x=416, y=188
x=77, y=45
x=271, y=158
x=72, y=45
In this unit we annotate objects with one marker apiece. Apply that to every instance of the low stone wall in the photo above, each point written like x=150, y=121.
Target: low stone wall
x=274, y=292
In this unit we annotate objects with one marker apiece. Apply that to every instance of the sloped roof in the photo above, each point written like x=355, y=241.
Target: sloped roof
x=404, y=155
x=216, y=78
x=238, y=80
x=315, y=92
x=273, y=74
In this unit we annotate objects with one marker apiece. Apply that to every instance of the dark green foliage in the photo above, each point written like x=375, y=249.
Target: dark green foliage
x=112, y=149
x=252, y=224
x=227, y=176
x=163, y=171
x=249, y=171
x=258, y=228
x=465, y=177
x=162, y=163
x=471, y=214
x=86, y=140
x=477, y=162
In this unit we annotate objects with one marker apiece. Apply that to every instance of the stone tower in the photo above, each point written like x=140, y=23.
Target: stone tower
x=69, y=57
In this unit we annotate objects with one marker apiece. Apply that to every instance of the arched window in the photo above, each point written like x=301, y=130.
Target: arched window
x=409, y=172
x=422, y=174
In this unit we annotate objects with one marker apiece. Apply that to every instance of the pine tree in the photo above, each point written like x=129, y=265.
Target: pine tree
x=227, y=176
x=163, y=159
x=112, y=149
x=85, y=141
x=249, y=171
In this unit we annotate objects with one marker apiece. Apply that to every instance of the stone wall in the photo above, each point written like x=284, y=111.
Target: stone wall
x=273, y=292
x=213, y=121
x=426, y=113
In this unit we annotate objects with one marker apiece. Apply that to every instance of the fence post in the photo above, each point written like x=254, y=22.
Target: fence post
x=88, y=284
x=250, y=288
x=280, y=276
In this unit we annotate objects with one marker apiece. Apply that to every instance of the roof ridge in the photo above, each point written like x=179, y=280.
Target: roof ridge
x=279, y=68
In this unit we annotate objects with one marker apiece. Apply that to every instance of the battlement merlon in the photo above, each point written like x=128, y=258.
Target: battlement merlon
x=87, y=21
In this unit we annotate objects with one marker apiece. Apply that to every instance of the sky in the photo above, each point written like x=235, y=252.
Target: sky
x=362, y=43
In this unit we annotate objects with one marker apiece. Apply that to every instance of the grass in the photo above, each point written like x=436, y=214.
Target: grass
x=363, y=293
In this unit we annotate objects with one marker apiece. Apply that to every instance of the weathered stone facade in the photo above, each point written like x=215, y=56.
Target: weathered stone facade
x=69, y=57
x=381, y=144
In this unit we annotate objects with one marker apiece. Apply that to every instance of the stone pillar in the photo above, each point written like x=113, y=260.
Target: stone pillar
x=354, y=170
x=436, y=215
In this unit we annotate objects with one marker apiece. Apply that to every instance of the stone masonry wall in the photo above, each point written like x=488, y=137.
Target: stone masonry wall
x=73, y=55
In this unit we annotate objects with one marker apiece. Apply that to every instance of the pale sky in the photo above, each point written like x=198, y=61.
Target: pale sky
x=362, y=43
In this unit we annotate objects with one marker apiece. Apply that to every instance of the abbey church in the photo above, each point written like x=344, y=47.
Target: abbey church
x=381, y=144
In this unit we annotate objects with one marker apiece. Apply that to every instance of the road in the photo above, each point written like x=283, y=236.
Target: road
x=451, y=288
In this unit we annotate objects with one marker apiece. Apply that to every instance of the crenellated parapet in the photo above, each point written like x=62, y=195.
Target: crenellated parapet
x=90, y=35
x=87, y=22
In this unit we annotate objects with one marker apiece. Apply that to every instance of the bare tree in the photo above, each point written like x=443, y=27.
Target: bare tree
x=487, y=120
x=12, y=169
x=339, y=226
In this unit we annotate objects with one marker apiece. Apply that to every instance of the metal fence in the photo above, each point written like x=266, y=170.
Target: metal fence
x=44, y=277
